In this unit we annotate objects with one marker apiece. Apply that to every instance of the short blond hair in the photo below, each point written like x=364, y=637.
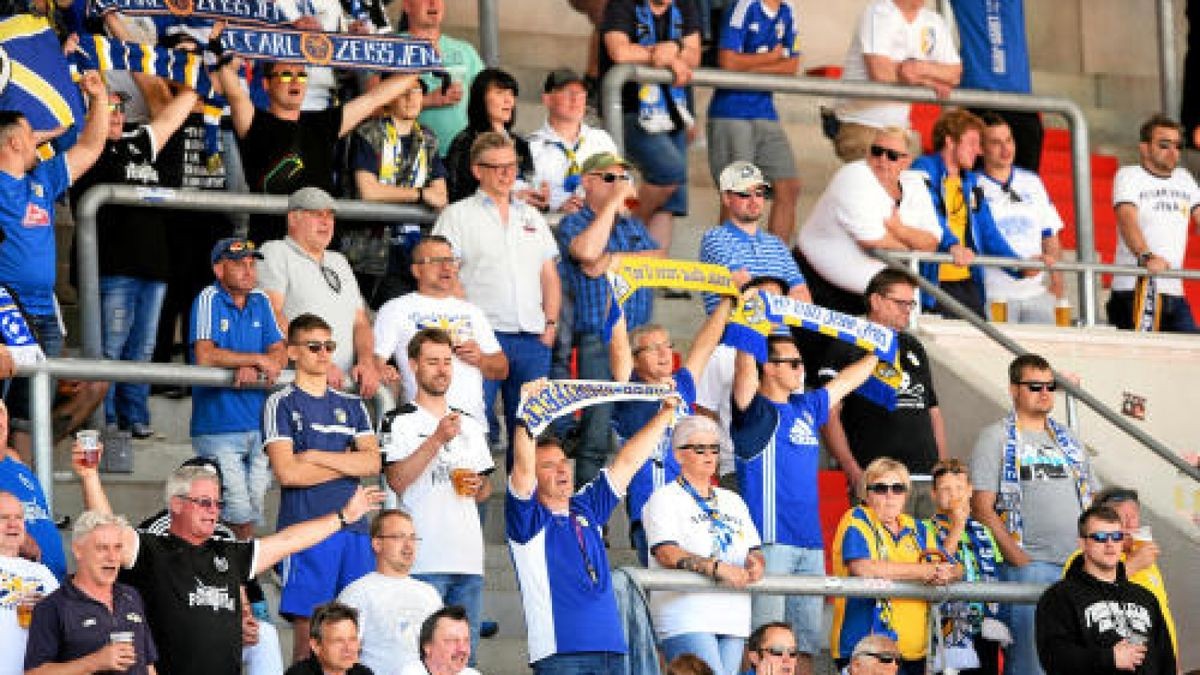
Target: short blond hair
x=90, y=521
x=879, y=467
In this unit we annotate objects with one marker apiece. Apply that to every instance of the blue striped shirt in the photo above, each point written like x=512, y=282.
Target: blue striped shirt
x=762, y=254
x=591, y=295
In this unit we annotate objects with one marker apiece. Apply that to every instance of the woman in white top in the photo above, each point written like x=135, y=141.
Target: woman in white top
x=693, y=525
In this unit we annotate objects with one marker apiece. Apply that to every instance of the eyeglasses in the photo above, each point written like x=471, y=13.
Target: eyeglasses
x=794, y=362
x=760, y=193
x=1039, y=387
x=116, y=107
x=1121, y=495
x=438, y=260
x=776, y=650
x=315, y=346
x=1115, y=536
x=1168, y=145
x=399, y=537
x=204, y=502
x=332, y=279
x=882, y=657
x=507, y=166
x=892, y=155
x=288, y=76
x=906, y=305
x=883, y=488
x=610, y=177
x=703, y=448
x=657, y=346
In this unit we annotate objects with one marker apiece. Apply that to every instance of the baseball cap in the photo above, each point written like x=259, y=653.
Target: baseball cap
x=559, y=78
x=601, y=161
x=311, y=199
x=740, y=176
x=234, y=248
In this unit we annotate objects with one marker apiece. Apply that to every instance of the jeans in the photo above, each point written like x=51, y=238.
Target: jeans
x=50, y=337
x=642, y=658
x=595, y=425
x=528, y=359
x=461, y=589
x=1175, y=315
x=581, y=663
x=1021, y=656
x=722, y=653
x=245, y=474
x=130, y=307
x=803, y=612
x=637, y=540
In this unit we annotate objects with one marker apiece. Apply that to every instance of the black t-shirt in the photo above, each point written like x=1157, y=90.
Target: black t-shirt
x=192, y=601
x=619, y=16
x=904, y=434
x=182, y=160
x=282, y=156
x=132, y=240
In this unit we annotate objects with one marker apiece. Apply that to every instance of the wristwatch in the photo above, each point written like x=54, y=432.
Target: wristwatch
x=1144, y=258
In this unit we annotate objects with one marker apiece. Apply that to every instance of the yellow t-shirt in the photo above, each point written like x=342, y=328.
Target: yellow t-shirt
x=956, y=220
x=1151, y=579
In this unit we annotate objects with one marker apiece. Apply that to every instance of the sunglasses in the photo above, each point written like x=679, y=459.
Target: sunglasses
x=509, y=166
x=883, y=488
x=883, y=657
x=760, y=193
x=776, y=650
x=1039, y=387
x=892, y=155
x=287, y=77
x=399, y=537
x=315, y=346
x=204, y=502
x=438, y=260
x=1115, y=536
x=703, y=448
x=116, y=107
x=795, y=362
x=332, y=279
x=611, y=177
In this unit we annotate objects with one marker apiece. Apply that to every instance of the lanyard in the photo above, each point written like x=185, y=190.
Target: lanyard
x=575, y=519
x=721, y=532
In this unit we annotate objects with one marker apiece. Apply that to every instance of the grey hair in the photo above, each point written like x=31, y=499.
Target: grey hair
x=874, y=643
x=88, y=521
x=692, y=425
x=179, y=482
x=636, y=334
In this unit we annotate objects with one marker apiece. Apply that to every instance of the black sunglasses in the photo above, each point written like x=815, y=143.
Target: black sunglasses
x=775, y=650
x=1038, y=387
x=315, y=346
x=1105, y=537
x=883, y=657
x=611, y=177
x=892, y=155
x=703, y=448
x=883, y=488
x=794, y=362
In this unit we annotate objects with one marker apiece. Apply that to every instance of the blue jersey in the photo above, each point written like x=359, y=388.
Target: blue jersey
x=17, y=479
x=218, y=410
x=995, y=50
x=776, y=449
x=28, y=250
x=329, y=423
x=628, y=417
x=750, y=28
x=562, y=570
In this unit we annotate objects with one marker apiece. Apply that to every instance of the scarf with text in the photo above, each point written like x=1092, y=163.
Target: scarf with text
x=1147, y=305
x=1008, y=500
x=562, y=397
x=976, y=552
x=639, y=272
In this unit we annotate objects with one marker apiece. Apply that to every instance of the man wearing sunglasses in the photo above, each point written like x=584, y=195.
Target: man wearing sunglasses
x=1095, y=620
x=588, y=240
x=775, y=444
x=874, y=655
x=1155, y=202
x=1032, y=478
x=771, y=649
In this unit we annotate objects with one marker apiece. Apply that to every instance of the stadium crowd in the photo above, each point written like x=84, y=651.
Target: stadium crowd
x=509, y=290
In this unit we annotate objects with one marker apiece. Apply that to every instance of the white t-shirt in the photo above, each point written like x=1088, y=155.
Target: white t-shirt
x=391, y=610
x=1165, y=207
x=550, y=162
x=1025, y=216
x=451, y=537
x=713, y=392
x=418, y=668
x=399, y=320
x=672, y=515
x=883, y=31
x=854, y=208
x=17, y=577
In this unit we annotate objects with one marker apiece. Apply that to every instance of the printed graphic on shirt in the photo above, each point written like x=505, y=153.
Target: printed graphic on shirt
x=216, y=597
x=1042, y=461
x=1125, y=619
x=13, y=587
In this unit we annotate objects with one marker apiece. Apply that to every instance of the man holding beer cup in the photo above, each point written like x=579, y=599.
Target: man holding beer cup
x=22, y=584
x=437, y=460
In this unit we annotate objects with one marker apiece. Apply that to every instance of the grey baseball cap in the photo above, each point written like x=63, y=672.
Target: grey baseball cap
x=311, y=199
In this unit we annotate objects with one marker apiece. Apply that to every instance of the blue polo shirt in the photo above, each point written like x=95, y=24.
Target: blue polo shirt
x=567, y=609
x=751, y=28
x=995, y=49
x=215, y=317
x=27, y=253
x=17, y=479
x=328, y=423
x=628, y=418
x=591, y=294
x=776, y=451
x=69, y=624
x=762, y=254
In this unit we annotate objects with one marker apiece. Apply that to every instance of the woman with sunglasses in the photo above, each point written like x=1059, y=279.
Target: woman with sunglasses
x=877, y=539
x=492, y=106
x=693, y=525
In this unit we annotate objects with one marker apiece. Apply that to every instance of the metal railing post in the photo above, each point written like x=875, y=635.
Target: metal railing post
x=41, y=419
x=489, y=33
x=1168, y=69
x=614, y=120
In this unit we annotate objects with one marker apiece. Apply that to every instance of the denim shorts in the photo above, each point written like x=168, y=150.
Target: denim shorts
x=245, y=472
x=661, y=159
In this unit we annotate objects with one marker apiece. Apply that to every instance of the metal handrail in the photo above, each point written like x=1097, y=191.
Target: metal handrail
x=842, y=587
x=811, y=86
x=87, y=249
x=945, y=300
x=101, y=370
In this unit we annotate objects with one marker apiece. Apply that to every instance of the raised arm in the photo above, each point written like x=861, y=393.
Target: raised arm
x=91, y=141
x=240, y=106
x=361, y=107
x=637, y=450
x=94, y=499
x=171, y=117
x=850, y=378
x=275, y=547
x=745, y=380
x=707, y=338
x=523, y=476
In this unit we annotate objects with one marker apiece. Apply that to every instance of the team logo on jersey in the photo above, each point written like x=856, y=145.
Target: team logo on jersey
x=35, y=216
x=88, y=623
x=224, y=325
x=801, y=432
x=221, y=564
x=928, y=41
x=914, y=359
x=133, y=617
x=339, y=415
x=297, y=420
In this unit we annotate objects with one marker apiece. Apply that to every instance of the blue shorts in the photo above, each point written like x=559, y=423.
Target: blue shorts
x=317, y=574
x=661, y=159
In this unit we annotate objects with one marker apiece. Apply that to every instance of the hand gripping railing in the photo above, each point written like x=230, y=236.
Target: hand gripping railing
x=897, y=260
x=810, y=86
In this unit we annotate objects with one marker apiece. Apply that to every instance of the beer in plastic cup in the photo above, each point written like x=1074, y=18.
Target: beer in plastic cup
x=999, y=311
x=89, y=443
x=1062, y=313
x=1142, y=536
x=459, y=478
x=25, y=609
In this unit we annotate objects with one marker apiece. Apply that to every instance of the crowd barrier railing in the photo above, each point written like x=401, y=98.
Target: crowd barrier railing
x=902, y=261
x=41, y=394
x=812, y=86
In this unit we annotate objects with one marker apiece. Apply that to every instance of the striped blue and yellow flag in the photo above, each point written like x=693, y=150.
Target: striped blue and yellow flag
x=34, y=76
